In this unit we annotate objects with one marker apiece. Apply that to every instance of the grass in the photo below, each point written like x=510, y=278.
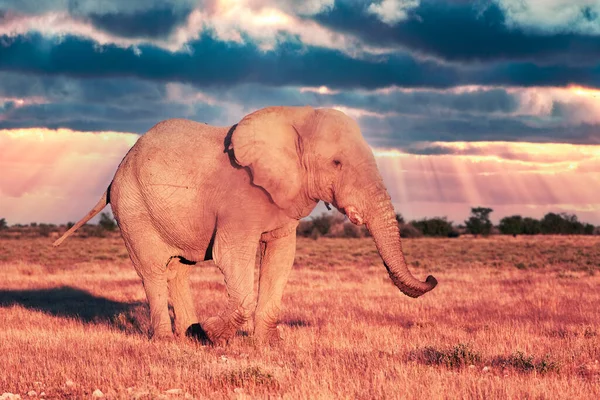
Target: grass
x=512, y=318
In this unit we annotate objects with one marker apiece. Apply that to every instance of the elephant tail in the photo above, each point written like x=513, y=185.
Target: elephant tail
x=104, y=200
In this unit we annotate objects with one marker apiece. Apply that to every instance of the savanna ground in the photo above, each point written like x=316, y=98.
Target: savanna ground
x=511, y=318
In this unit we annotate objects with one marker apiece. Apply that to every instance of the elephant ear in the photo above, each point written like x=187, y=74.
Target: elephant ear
x=268, y=143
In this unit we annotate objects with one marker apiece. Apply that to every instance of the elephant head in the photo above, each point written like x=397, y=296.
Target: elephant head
x=301, y=155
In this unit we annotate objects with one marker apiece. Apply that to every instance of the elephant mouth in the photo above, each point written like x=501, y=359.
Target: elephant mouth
x=355, y=217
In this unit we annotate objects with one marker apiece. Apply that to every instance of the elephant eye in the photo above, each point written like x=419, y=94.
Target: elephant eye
x=337, y=163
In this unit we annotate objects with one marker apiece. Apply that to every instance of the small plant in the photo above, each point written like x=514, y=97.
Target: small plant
x=253, y=376
x=523, y=363
x=459, y=356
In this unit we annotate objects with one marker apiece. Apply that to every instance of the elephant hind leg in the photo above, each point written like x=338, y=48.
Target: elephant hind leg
x=150, y=257
x=181, y=296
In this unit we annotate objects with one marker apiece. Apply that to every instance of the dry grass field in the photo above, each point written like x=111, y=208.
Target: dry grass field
x=512, y=318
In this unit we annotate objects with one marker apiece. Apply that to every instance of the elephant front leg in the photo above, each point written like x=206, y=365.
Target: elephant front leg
x=276, y=263
x=236, y=258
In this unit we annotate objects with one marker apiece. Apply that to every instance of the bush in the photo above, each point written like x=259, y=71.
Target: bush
x=434, y=226
x=44, y=230
x=479, y=223
x=563, y=223
x=531, y=226
x=351, y=230
x=409, y=231
x=93, y=231
x=107, y=222
x=322, y=223
x=511, y=225
x=3, y=224
x=461, y=355
x=304, y=228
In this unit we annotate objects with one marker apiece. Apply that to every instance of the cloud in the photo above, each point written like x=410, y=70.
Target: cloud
x=392, y=11
x=552, y=16
x=172, y=27
x=152, y=23
x=391, y=116
x=56, y=175
x=211, y=62
x=471, y=32
x=87, y=7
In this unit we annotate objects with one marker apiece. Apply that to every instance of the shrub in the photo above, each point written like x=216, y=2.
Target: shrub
x=458, y=356
x=437, y=226
x=409, y=231
x=93, y=231
x=479, y=223
x=400, y=218
x=531, y=226
x=44, y=230
x=322, y=223
x=107, y=222
x=305, y=228
x=351, y=230
x=3, y=224
x=523, y=363
x=511, y=225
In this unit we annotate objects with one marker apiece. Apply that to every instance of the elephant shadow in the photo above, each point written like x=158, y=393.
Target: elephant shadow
x=70, y=302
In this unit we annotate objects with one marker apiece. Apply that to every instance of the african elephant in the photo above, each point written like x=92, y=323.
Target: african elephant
x=189, y=192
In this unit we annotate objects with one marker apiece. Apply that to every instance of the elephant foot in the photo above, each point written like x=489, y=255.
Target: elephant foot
x=218, y=330
x=197, y=333
x=271, y=336
x=161, y=335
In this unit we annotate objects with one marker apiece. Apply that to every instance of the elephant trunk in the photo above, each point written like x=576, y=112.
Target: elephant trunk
x=382, y=224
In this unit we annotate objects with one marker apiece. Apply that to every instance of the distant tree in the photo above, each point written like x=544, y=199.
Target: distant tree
x=531, y=226
x=70, y=224
x=351, y=230
x=589, y=229
x=511, y=225
x=437, y=226
x=409, y=231
x=107, y=222
x=304, y=228
x=3, y=224
x=44, y=229
x=399, y=218
x=479, y=222
x=562, y=224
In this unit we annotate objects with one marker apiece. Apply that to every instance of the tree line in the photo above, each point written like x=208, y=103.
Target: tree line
x=337, y=225
x=478, y=224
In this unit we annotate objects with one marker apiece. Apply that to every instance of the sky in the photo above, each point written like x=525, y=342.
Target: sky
x=465, y=103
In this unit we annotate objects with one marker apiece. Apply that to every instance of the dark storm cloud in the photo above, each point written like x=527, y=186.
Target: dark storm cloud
x=117, y=104
x=149, y=23
x=428, y=102
x=406, y=116
x=213, y=63
x=402, y=130
x=463, y=32
x=88, y=7
x=216, y=63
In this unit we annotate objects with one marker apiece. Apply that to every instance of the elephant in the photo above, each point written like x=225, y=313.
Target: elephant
x=188, y=192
